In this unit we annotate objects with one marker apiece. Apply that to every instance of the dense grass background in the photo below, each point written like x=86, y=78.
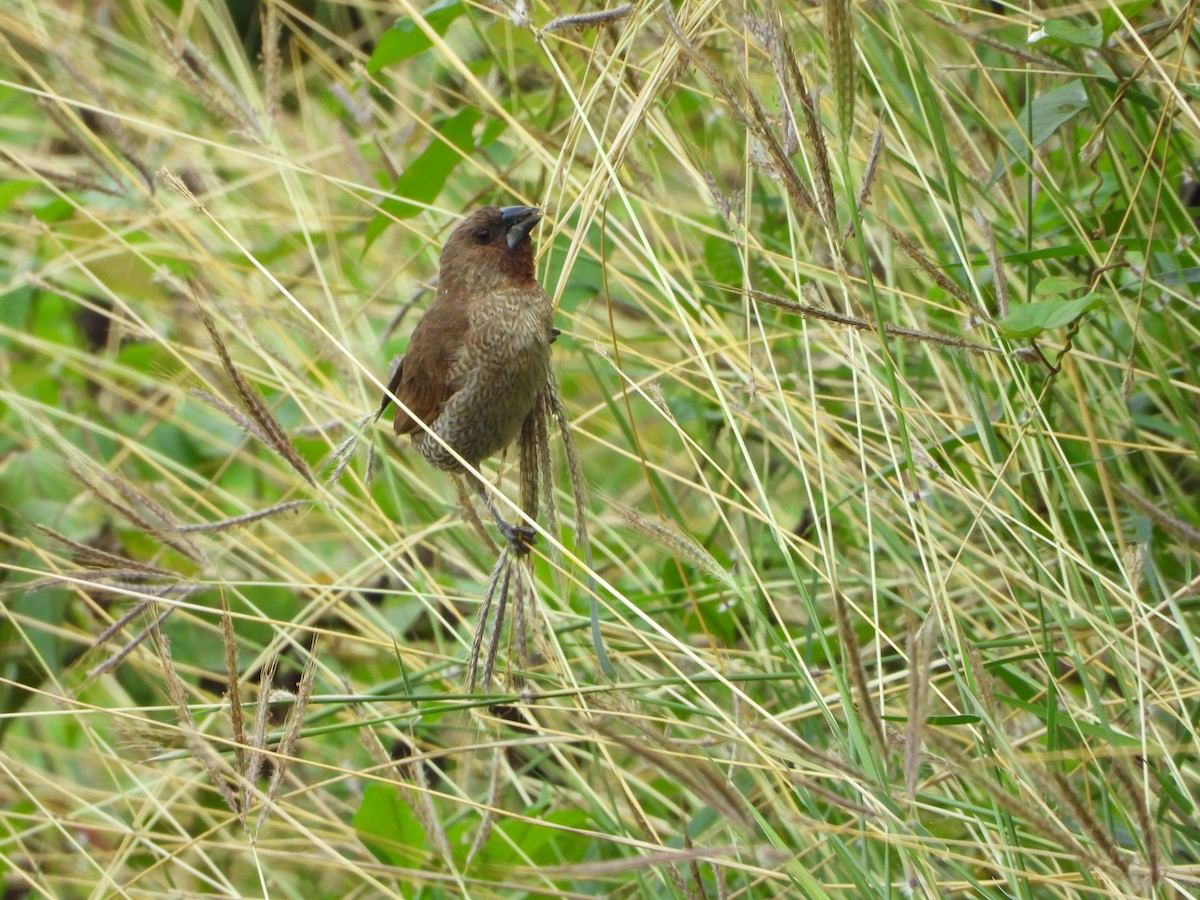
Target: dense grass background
x=893, y=490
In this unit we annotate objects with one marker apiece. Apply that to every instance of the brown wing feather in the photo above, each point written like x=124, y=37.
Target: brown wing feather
x=424, y=378
x=395, y=370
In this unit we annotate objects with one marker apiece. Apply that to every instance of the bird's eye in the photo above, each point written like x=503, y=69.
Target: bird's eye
x=482, y=236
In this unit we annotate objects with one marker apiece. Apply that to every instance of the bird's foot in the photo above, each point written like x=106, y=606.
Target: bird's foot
x=521, y=538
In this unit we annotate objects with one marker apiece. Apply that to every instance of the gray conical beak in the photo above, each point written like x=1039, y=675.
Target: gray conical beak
x=518, y=222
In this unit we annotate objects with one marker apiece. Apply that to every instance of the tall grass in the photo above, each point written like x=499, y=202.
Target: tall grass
x=879, y=329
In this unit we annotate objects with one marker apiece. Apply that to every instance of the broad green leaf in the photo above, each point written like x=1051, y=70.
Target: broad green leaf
x=1057, y=285
x=1031, y=319
x=539, y=841
x=1062, y=31
x=425, y=176
x=1048, y=113
x=388, y=828
x=11, y=190
x=724, y=263
x=55, y=210
x=1052, y=110
x=14, y=308
x=405, y=39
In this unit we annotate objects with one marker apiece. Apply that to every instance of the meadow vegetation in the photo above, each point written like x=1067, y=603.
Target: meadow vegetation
x=879, y=354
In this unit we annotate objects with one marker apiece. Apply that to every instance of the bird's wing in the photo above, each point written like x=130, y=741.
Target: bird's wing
x=395, y=371
x=423, y=381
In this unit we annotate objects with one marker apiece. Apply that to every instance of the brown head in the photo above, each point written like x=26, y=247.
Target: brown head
x=490, y=248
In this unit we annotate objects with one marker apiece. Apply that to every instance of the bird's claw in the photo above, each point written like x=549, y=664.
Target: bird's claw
x=521, y=538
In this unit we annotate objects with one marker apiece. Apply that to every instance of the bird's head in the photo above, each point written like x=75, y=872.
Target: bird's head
x=490, y=248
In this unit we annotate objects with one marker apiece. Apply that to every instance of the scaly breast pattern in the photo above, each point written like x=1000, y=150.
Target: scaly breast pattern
x=504, y=363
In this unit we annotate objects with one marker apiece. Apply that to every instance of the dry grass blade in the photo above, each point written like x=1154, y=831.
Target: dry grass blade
x=64, y=179
x=260, y=413
x=995, y=260
x=247, y=518
x=1177, y=526
x=466, y=503
x=920, y=669
x=233, y=690
x=140, y=638
x=82, y=141
x=1030, y=816
x=671, y=761
x=487, y=815
x=109, y=127
x=497, y=583
x=1143, y=815
x=582, y=539
x=1084, y=815
x=232, y=413
x=493, y=647
x=843, y=63
x=285, y=754
x=135, y=497
x=673, y=539
x=754, y=120
x=95, y=558
x=256, y=758
x=863, y=197
x=852, y=655
x=201, y=750
x=939, y=278
x=209, y=84
x=272, y=63
x=417, y=794
x=825, y=315
x=589, y=20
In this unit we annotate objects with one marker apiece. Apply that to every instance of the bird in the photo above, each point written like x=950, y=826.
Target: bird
x=479, y=358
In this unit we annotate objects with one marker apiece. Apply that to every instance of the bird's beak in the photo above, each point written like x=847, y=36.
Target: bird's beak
x=518, y=222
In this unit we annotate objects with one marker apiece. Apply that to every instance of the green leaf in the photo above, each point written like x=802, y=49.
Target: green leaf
x=1061, y=31
x=405, y=39
x=1057, y=285
x=1031, y=319
x=15, y=306
x=722, y=259
x=55, y=210
x=388, y=828
x=11, y=190
x=425, y=176
x=1110, y=21
x=1047, y=114
x=946, y=721
x=1054, y=109
x=539, y=841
